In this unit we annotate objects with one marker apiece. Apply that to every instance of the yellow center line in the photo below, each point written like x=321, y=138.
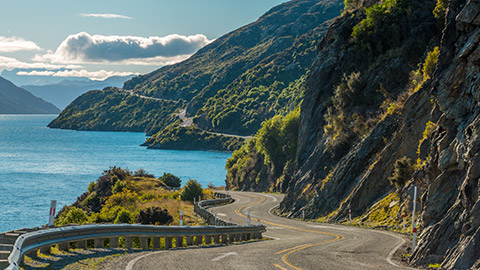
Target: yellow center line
x=293, y=249
x=279, y=267
x=288, y=249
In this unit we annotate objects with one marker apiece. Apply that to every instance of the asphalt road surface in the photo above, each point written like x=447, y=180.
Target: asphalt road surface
x=294, y=245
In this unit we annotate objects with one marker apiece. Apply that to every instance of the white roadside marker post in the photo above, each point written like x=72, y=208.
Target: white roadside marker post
x=215, y=218
x=181, y=217
x=51, y=217
x=403, y=221
x=350, y=215
x=414, y=225
x=248, y=218
x=303, y=213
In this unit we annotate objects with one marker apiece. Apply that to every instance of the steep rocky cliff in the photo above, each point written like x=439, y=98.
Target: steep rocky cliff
x=434, y=124
x=450, y=215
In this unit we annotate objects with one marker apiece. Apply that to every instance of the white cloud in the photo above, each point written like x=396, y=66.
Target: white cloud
x=15, y=44
x=105, y=16
x=10, y=63
x=85, y=48
x=95, y=75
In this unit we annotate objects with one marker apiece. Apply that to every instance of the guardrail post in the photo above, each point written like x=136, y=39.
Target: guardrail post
x=208, y=239
x=216, y=239
x=114, y=242
x=98, y=243
x=168, y=242
x=143, y=242
x=82, y=244
x=63, y=246
x=156, y=242
x=46, y=250
x=224, y=239
x=179, y=241
x=32, y=253
x=128, y=242
x=198, y=240
x=189, y=241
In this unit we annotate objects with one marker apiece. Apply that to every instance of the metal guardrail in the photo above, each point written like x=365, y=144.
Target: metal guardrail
x=193, y=235
x=210, y=218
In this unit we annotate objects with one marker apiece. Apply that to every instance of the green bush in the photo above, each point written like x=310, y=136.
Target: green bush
x=191, y=190
x=439, y=11
x=277, y=139
x=72, y=215
x=430, y=63
x=383, y=21
x=91, y=187
x=124, y=216
x=170, y=180
x=402, y=173
x=119, y=186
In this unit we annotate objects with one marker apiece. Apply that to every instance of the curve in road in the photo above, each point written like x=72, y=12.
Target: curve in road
x=299, y=245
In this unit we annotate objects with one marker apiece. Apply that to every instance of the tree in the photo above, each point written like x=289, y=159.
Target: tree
x=170, y=180
x=124, y=216
x=402, y=173
x=191, y=190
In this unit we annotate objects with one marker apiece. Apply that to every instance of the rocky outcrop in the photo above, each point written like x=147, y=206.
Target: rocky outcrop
x=447, y=167
x=355, y=172
x=451, y=210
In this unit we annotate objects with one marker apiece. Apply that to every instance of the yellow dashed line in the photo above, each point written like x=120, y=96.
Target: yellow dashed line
x=293, y=249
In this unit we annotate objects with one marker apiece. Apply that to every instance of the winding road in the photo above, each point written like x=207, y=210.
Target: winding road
x=294, y=245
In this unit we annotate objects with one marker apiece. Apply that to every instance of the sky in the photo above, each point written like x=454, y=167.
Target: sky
x=103, y=38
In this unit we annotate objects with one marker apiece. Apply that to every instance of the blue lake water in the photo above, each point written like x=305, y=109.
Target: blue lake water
x=38, y=164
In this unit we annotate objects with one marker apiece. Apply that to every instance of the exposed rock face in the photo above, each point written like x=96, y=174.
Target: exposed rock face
x=451, y=209
x=437, y=126
x=355, y=173
x=450, y=204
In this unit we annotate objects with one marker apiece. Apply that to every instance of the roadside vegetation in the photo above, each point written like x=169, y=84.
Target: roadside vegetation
x=120, y=196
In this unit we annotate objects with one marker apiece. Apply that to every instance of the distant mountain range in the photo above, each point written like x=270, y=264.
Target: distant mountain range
x=64, y=92
x=15, y=100
x=59, y=90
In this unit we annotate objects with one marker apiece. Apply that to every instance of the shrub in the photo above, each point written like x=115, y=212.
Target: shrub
x=72, y=215
x=439, y=11
x=382, y=21
x=402, y=173
x=170, y=180
x=430, y=63
x=91, y=187
x=118, y=186
x=154, y=215
x=124, y=216
x=277, y=139
x=191, y=190
x=143, y=173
